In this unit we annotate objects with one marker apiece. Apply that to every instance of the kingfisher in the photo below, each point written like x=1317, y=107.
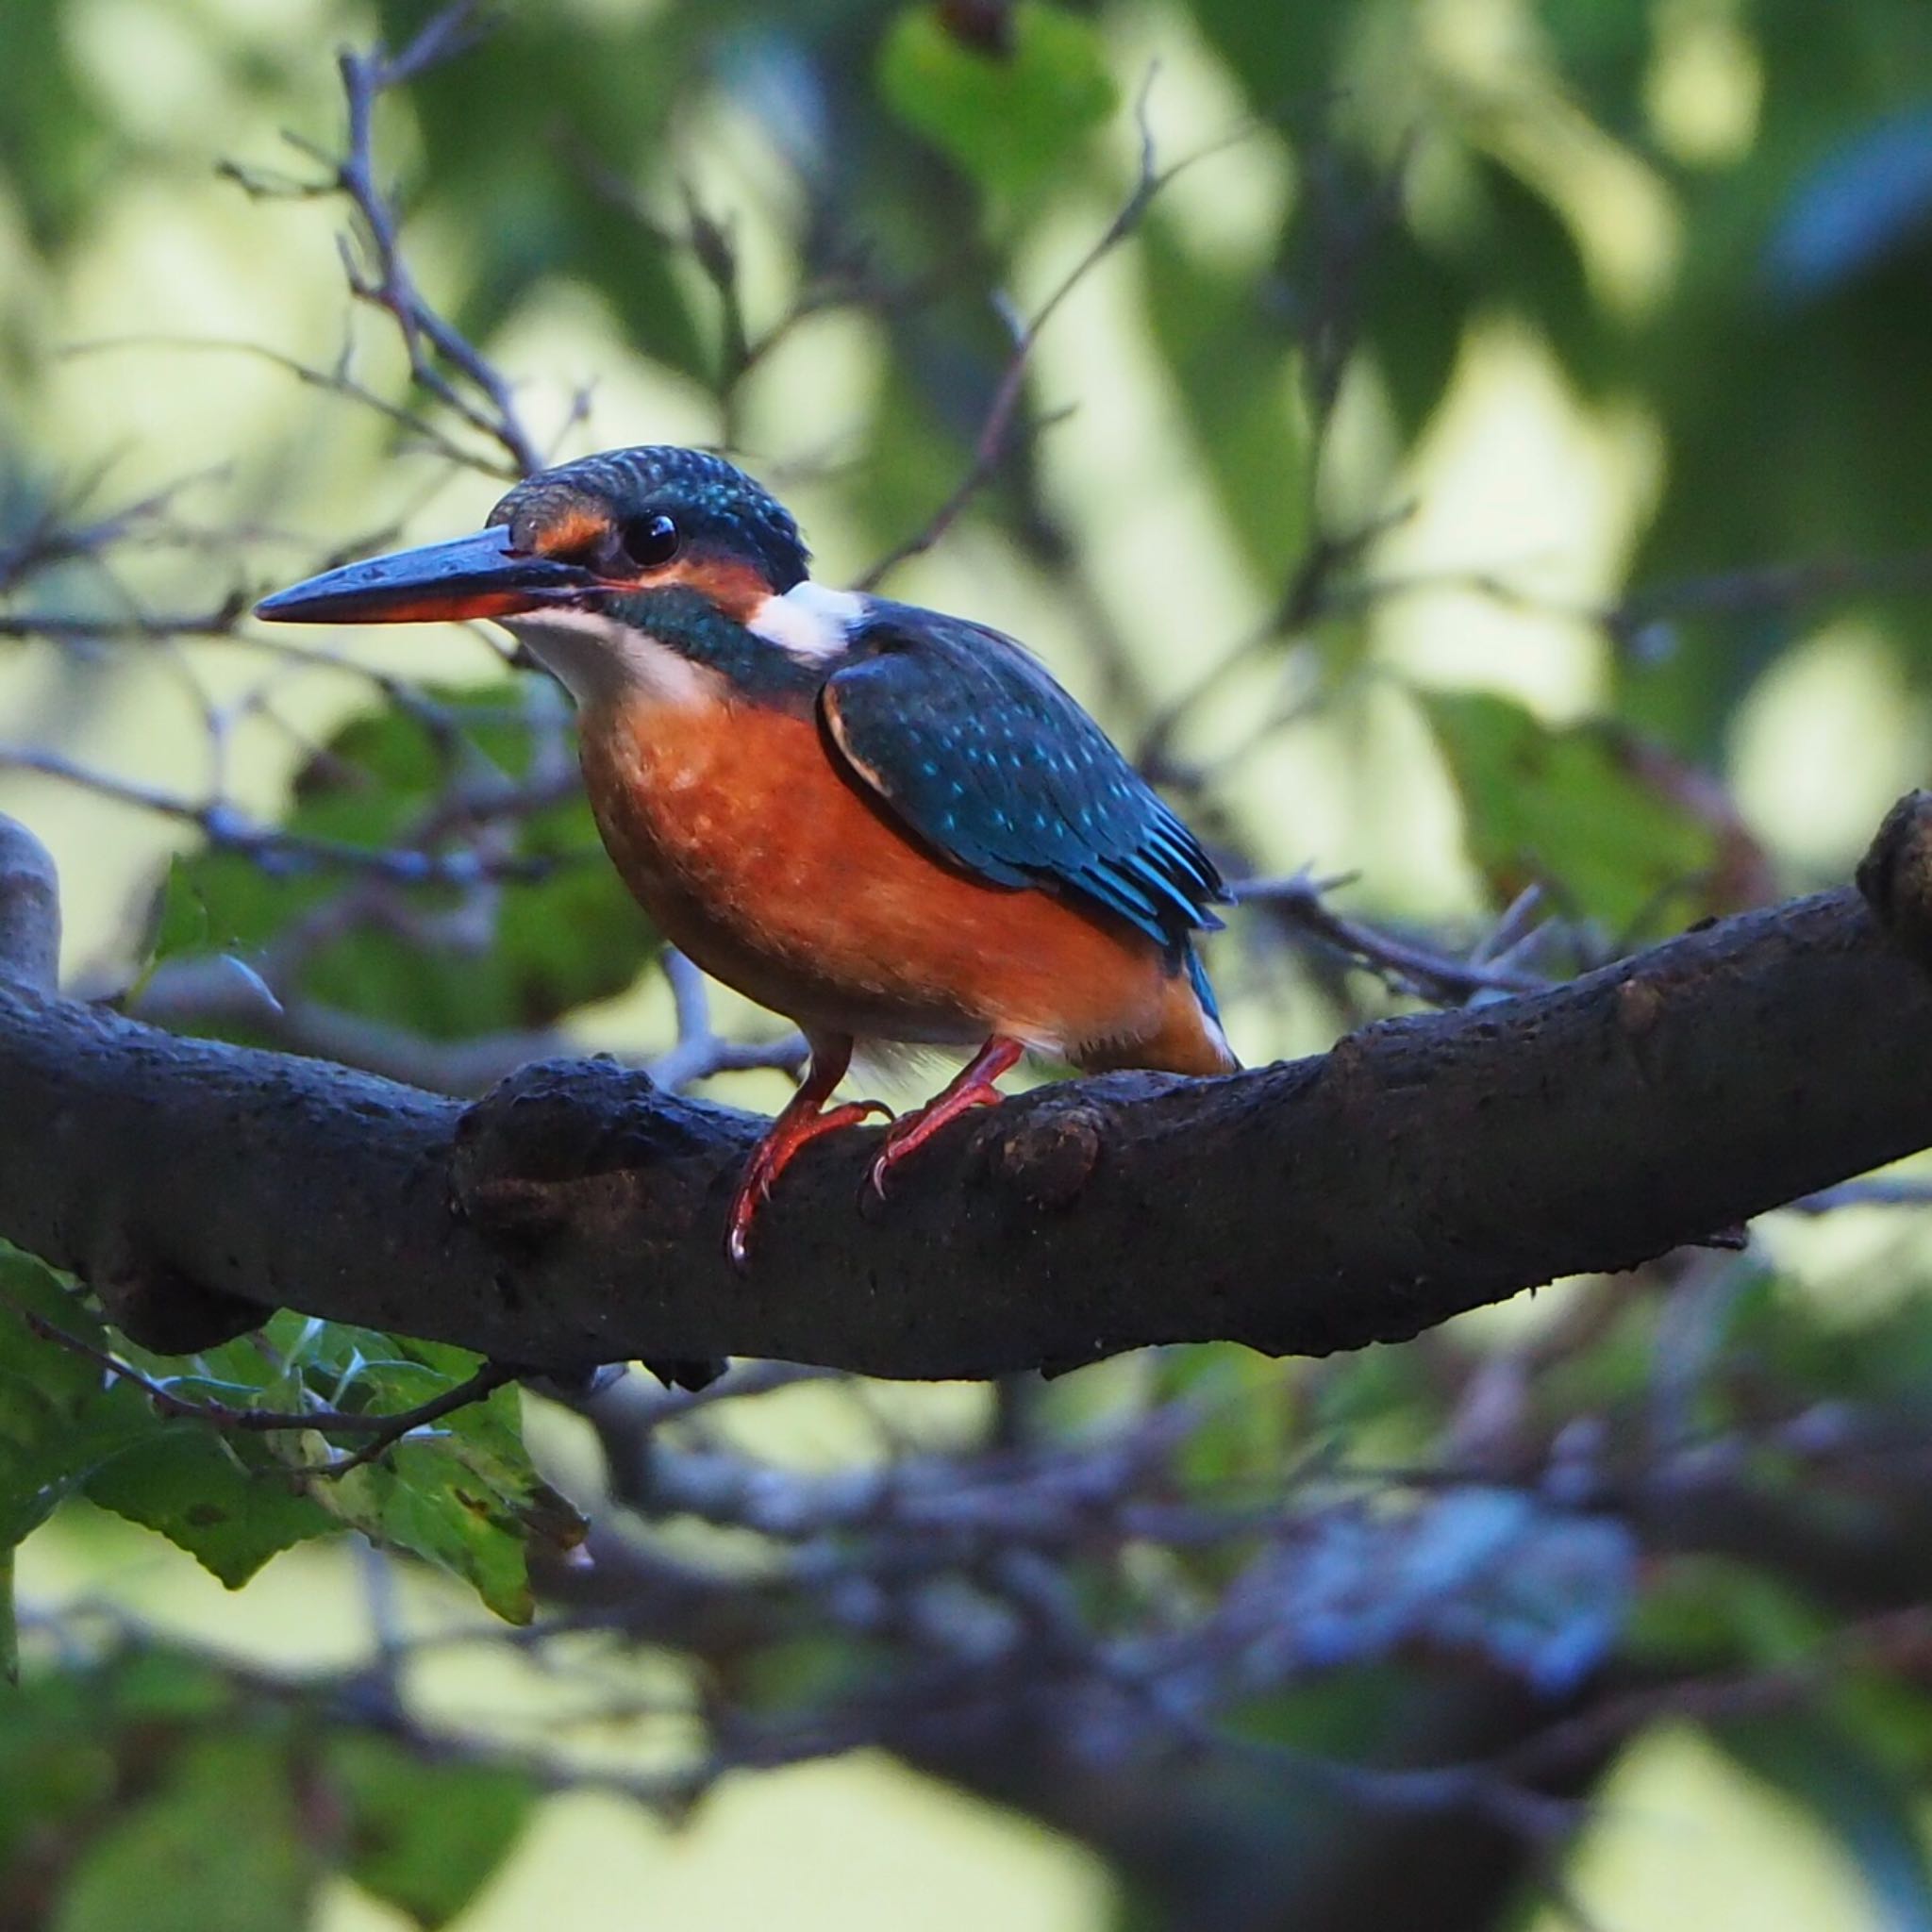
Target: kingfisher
x=890, y=825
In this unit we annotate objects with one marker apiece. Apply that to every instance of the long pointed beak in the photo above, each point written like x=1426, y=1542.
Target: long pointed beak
x=468, y=576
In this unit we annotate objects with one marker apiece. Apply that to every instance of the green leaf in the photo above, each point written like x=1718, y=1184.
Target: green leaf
x=424, y=1838
x=226, y=1500
x=1714, y=1613
x=181, y=918
x=65, y=1426
x=567, y=935
x=60, y=1420
x=71, y=1731
x=55, y=1762
x=465, y=1500
x=1008, y=116
x=1249, y=1410
x=217, y=1849
x=1229, y=361
x=464, y=1494
x=625, y=75
x=1415, y=313
x=1865, y=1805
x=1274, y=54
x=1567, y=807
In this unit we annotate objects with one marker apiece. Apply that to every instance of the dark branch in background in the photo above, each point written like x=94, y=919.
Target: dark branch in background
x=890, y=1557
x=224, y=827
x=220, y=992
x=844, y=279
x=444, y=363
x=1402, y=966
x=29, y=912
x=1424, y=1167
x=700, y=1050
x=1343, y=230
x=1633, y=621
x=60, y=624
x=996, y=430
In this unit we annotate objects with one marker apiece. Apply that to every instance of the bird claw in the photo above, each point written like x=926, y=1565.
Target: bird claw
x=896, y=1149
x=738, y=1242
x=913, y=1132
x=770, y=1158
x=973, y=1088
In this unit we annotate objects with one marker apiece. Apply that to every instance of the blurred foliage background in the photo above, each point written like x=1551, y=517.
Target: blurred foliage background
x=1484, y=467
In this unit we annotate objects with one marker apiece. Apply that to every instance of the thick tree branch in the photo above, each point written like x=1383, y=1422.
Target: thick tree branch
x=29, y=910
x=575, y=1215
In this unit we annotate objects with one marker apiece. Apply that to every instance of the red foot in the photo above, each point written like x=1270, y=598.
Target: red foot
x=972, y=1087
x=800, y=1124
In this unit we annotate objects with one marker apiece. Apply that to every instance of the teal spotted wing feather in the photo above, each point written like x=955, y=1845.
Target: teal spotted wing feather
x=984, y=758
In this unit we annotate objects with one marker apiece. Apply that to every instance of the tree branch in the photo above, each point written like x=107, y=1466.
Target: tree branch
x=575, y=1215
x=29, y=910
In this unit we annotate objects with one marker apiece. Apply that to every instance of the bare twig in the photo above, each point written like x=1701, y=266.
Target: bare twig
x=62, y=625
x=1406, y=967
x=443, y=362
x=215, y=991
x=1880, y=1190
x=701, y=1051
x=996, y=426
x=483, y=1384
x=227, y=829
x=383, y=1431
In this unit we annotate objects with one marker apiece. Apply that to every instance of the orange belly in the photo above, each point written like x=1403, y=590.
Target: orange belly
x=759, y=860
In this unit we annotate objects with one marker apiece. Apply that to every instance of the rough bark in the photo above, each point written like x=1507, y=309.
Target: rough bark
x=575, y=1214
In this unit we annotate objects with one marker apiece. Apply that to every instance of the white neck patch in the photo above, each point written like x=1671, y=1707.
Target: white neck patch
x=597, y=660
x=809, y=621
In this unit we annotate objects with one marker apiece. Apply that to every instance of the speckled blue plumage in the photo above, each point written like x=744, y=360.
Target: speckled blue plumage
x=987, y=759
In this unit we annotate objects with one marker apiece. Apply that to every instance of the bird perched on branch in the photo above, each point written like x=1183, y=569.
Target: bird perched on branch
x=888, y=825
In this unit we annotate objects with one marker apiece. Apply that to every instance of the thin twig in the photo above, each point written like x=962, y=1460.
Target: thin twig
x=996, y=426
x=224, y=827
x=483, y=1384
x=701, y=1051
x=1438, y=978
x=382, y=1430
x=443, y=362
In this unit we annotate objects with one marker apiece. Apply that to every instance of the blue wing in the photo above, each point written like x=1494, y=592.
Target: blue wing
x=981, y=755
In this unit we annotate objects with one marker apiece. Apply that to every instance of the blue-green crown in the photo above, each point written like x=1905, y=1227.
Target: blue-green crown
x=711, y=500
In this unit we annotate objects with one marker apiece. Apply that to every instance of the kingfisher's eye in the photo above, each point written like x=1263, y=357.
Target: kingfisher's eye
x=651, y=541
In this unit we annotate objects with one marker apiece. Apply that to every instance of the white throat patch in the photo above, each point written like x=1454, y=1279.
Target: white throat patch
x=809, y=621
x=597, y=660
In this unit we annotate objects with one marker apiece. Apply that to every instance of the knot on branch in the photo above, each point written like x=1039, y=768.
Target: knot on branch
x=572, y=1144
x=29, y=910
x=1895, y=875
x=1049, y=1157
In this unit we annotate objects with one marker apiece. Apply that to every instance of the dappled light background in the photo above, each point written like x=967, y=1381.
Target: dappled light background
x=1495, y=460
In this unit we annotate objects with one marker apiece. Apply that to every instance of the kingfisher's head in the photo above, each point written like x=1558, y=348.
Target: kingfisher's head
x=639, y=566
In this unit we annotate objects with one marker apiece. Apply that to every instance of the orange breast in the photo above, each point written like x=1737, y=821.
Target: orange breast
x=755, y=856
